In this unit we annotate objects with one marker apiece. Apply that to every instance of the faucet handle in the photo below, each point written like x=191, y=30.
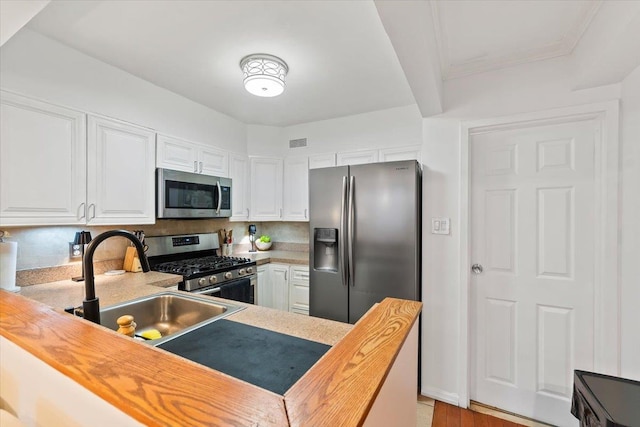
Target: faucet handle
x=126, y=325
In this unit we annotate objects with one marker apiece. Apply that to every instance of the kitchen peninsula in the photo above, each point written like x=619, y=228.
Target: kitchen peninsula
x=368, y=374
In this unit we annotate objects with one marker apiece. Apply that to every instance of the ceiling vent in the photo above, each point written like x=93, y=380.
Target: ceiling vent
x=297, y=143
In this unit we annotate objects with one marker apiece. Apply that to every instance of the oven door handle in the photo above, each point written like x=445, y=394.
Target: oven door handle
x=209, y=291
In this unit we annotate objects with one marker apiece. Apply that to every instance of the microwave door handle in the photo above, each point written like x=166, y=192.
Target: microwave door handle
x=219, y=197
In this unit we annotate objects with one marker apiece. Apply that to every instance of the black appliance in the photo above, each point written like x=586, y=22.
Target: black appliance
x=194, y=257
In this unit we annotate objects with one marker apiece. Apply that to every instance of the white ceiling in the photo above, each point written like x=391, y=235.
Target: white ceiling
x=476, y=36
x=341, y=60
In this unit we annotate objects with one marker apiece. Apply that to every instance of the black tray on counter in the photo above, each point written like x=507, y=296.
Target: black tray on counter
x=264, y=358
x=605, y=401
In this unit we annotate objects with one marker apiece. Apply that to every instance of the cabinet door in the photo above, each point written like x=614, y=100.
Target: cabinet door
x=266, y=189
x=299, y=290
x=265, y=289
x=213, y=161
x=239, y=174
x=322, y=161
x=176, y=154
x=280, y=280
x=401, y=153
x=121, y=166
x=296, y=189
x=42, y=163
x=357, y=157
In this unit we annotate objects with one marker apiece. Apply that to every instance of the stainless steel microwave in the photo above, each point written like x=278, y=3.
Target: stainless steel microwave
x=184, y=195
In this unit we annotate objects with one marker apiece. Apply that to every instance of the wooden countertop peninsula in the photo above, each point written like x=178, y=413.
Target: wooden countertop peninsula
x=159, y=388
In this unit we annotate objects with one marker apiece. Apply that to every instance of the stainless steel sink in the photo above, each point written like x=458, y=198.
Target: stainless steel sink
x=171, y=313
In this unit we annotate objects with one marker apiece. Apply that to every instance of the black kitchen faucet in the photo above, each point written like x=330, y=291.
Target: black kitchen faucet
x=91, y=305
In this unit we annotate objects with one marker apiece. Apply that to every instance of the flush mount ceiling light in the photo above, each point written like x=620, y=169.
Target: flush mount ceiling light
x=264, y=74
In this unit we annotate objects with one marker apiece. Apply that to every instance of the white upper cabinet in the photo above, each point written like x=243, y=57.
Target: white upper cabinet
x=239, y=174
x=176, y=154
x=322, y=160
x=266, y=189
x=42, y=163
x=296, y=189
x=401, y=153
x=213, y=161
x=357, y=157
x=120, y=173
x=179, y=154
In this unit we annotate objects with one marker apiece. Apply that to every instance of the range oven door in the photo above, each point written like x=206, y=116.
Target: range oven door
x=190, y=195
x=242, y=289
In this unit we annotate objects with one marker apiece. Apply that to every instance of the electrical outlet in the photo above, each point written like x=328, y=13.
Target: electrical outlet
x=75, y=251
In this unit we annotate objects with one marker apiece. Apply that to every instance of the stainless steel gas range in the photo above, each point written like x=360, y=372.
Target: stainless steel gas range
x=204, y=272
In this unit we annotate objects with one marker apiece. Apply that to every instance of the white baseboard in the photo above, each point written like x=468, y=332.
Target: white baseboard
x=441, y=395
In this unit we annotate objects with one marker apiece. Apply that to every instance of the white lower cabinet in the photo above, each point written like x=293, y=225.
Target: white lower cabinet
x=299, y=289
x=273, y=286
x=264, y=295
x=284, y=287
x=280, y=285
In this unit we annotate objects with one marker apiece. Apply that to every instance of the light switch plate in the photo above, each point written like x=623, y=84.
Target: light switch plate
x=440, y=225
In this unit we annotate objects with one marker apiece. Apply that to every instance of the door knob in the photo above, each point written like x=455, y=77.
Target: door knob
x=476, y=268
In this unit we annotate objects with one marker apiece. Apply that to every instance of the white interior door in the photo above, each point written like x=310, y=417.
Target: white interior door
x=533, y=198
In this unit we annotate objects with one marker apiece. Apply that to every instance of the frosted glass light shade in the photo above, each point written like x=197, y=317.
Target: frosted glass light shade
x=264, y=74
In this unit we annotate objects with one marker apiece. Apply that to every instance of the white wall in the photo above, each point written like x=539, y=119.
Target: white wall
x=265, y=140
x=630, y=225
x=34, y=65
x=39, y=395
x=534, y=87
x=394, y=127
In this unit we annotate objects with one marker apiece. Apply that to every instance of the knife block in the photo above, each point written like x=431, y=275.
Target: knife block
x=131, y=260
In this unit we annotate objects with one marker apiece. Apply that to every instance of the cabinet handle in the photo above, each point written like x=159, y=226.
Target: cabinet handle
x=305, y=214
x=285, y=274
x=200, y=167
x=93, y=215
x=280, y=212
x=247, y=212
x=81, y=209
x=195, y=166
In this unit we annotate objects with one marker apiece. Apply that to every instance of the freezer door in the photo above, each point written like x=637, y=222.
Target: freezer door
x=328, y=290
x=386, y=234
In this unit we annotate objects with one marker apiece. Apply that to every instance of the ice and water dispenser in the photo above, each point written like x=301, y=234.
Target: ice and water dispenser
x=325, y=249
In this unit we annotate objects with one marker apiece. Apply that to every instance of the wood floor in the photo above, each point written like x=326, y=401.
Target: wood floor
x=445, y=415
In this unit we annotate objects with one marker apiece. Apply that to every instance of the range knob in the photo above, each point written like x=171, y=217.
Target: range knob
x=228, y=275
x=249, y=270
x=202, y=281
x=242, y=272
x=213, y=280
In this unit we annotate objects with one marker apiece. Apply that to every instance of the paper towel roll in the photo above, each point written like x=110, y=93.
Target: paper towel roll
x=8, y=260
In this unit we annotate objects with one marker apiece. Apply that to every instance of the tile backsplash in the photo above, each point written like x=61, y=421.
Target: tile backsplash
x=48, y=246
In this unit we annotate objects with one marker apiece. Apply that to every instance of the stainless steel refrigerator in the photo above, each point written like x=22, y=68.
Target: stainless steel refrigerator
x=365, y=237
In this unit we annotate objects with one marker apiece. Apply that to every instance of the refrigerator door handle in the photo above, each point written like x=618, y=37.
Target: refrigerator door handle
x=350, y=227
x=343, y=240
